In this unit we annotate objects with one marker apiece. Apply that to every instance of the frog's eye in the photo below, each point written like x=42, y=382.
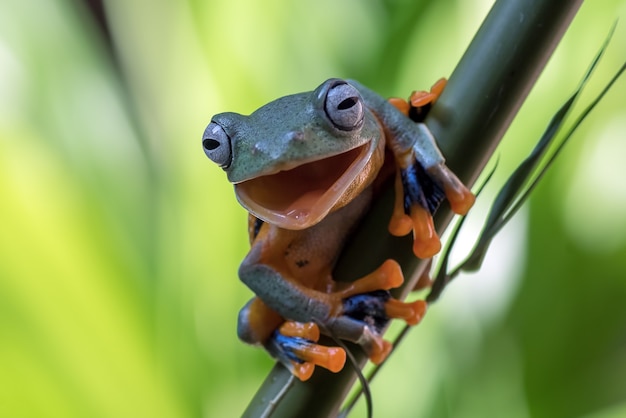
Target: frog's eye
x=344, y=107
x=216, y=145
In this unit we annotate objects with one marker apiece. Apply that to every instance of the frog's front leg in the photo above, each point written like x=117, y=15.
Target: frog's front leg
x=422, y=182
x=422, y=179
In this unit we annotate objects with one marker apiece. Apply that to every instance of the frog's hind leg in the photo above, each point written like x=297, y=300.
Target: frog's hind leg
x=257, y=322
x=368, y=307
x=291, y=343
x=365, y=317
x=369, y=295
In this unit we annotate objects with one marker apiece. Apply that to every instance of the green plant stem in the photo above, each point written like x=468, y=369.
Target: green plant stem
x=481, y=99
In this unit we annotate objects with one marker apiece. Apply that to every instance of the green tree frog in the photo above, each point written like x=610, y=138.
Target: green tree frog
x=306, y=167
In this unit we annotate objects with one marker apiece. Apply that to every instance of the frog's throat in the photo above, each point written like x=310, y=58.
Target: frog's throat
x=302, y=196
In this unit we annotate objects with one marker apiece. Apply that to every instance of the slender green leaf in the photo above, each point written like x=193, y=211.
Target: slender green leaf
x=514, y=193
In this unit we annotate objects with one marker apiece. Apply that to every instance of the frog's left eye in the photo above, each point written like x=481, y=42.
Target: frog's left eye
x=216, y=145
x=344, y=107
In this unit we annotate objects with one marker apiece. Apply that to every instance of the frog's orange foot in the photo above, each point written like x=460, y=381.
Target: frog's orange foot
x=460, y=197
x=300, y=354
x=376, y=308
x=421, y=102
x=364, y=316
x=419, y=192
x=417, y=198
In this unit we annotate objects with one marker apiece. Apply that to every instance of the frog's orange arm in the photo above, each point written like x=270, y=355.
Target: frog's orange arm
x=416, y=215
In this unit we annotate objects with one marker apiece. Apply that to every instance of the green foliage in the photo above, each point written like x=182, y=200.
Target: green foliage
x=120, y=241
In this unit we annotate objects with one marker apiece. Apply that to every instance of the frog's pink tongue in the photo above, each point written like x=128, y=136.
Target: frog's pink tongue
x=301, y=197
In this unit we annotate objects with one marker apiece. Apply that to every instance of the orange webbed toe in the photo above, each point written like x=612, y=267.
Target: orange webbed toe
x=380, y=351
x=412, y=313
x=331, y=358
x=387, y=276
x=426, y=242
x=306, y=330
x=302, y=371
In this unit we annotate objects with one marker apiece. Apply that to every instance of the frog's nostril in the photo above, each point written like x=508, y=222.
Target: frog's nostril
x=295, y=136
x=210, y=144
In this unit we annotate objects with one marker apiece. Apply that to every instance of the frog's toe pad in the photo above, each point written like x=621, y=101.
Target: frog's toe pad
x=301, y=355
x=303, y=371
x=412, y=312
x=307, y=330
x=460, y=197
x=387, y=276
x=426, y=242
x=380, y=351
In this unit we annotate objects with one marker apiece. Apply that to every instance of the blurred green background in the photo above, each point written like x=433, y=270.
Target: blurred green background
x=120, y=240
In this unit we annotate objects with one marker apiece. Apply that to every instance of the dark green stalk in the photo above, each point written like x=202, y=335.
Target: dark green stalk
x=482, y=97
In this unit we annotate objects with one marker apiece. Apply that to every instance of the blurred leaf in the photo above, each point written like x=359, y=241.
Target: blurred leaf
x=515, y=191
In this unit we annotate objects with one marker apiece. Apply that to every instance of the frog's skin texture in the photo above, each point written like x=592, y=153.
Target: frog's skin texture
x=307, y=167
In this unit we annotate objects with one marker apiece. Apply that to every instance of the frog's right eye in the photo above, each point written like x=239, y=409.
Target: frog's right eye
x=344, y=106
x=216, y=145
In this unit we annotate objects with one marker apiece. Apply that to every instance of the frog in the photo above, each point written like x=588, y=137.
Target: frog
x=307, y=167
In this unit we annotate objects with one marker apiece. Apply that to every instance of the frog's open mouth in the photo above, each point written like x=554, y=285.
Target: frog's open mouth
x=300, y=197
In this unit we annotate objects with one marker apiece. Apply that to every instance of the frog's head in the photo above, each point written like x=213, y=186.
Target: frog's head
x=299, y=157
